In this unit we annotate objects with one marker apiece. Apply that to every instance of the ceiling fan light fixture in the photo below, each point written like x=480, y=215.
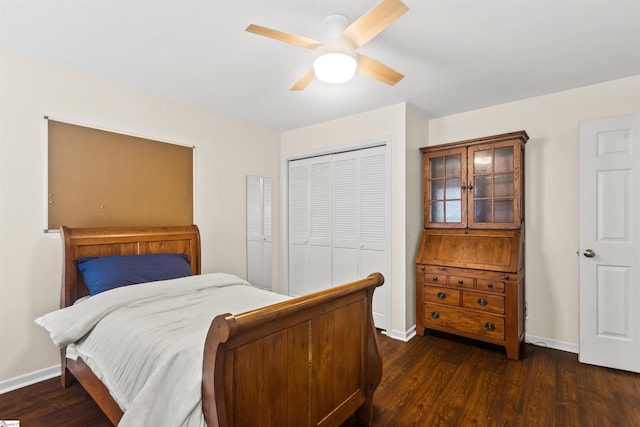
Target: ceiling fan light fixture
x=335, y=67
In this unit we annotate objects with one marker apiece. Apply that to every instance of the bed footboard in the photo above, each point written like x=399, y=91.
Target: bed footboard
x=310, y=361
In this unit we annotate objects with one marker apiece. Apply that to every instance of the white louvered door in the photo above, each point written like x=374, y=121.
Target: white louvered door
x=346, y=262
x=267, y=238
x=374, y=221
x=338, y=222
x=259, y=239
x=320, y=238
x=299, y=229
x=309, y=225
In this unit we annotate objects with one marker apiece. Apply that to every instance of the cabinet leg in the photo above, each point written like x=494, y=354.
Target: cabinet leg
x=513, y=350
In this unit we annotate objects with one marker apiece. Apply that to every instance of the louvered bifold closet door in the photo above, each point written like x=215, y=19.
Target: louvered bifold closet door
x=254, y=230
x=259, y=231
x=299, y=227
x=374, y=218
x=372, y=201
x=309, y=225
x=346, y=265
x=338, y=221
x=320, y=242
x=267, y=238
x=359, y=213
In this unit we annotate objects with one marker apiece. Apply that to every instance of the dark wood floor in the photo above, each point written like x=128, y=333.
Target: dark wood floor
x=430, y=381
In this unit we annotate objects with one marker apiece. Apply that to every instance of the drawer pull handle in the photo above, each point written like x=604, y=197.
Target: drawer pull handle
x=460, y=281
x=422, y=268
x=435, y=278
x=442, y=295
x=490, y=326
x=435, y=315
x=490, y=285
x=482, y=302
x=506, y=277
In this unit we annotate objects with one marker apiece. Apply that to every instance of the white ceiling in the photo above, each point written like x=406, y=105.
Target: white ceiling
x=456, y=55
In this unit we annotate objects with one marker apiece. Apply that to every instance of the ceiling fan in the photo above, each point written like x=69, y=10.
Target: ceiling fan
x=338, y=52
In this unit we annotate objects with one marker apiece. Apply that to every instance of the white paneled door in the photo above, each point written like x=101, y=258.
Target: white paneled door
x=609, y=242
x=339, y=223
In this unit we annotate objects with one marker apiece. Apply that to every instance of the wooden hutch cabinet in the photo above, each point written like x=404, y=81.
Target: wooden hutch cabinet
x=470, y=264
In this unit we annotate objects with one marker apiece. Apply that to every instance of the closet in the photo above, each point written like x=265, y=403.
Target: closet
x=339, y=222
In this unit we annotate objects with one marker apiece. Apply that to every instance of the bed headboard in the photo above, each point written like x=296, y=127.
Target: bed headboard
x=104, y=241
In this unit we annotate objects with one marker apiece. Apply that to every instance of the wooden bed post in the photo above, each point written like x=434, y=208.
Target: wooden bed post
x=364, y=414
x=67, y=293
x=222, y=328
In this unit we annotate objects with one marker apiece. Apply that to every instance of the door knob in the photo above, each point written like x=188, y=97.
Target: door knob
x=589, y=253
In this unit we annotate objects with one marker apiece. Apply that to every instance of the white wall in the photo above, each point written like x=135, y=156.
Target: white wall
x=551, y=190
x=30, y=261
x=389, y=123
x=417, y=130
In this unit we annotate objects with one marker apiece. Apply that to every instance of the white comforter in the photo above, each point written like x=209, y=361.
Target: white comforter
x=145, y=342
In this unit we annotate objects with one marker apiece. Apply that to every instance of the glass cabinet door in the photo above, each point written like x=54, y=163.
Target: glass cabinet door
x=444, y=184
x=493, y=186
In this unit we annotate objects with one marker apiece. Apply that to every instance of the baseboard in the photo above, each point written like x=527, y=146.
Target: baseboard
x=28, y=379
x=551, y=343
x=400, y=335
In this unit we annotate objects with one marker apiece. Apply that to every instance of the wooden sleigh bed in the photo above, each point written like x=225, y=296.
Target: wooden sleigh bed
x=311, y=360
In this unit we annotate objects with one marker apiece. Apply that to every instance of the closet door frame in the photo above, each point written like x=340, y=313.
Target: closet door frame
x=386, y=289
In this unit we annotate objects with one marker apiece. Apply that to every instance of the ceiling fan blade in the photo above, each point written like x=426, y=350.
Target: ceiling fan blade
x=284, y=37
x=377, y=70
x=304, y=81
x=374, y=21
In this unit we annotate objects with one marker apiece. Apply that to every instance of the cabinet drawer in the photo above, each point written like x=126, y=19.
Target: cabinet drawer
x=439, y=316
x=437, y=279
x=462, y=282
x=483, y=302
x=498, y=276
x=490, y=285
x=442, y=295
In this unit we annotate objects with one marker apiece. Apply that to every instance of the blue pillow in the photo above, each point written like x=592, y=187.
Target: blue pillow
x=109, y=272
